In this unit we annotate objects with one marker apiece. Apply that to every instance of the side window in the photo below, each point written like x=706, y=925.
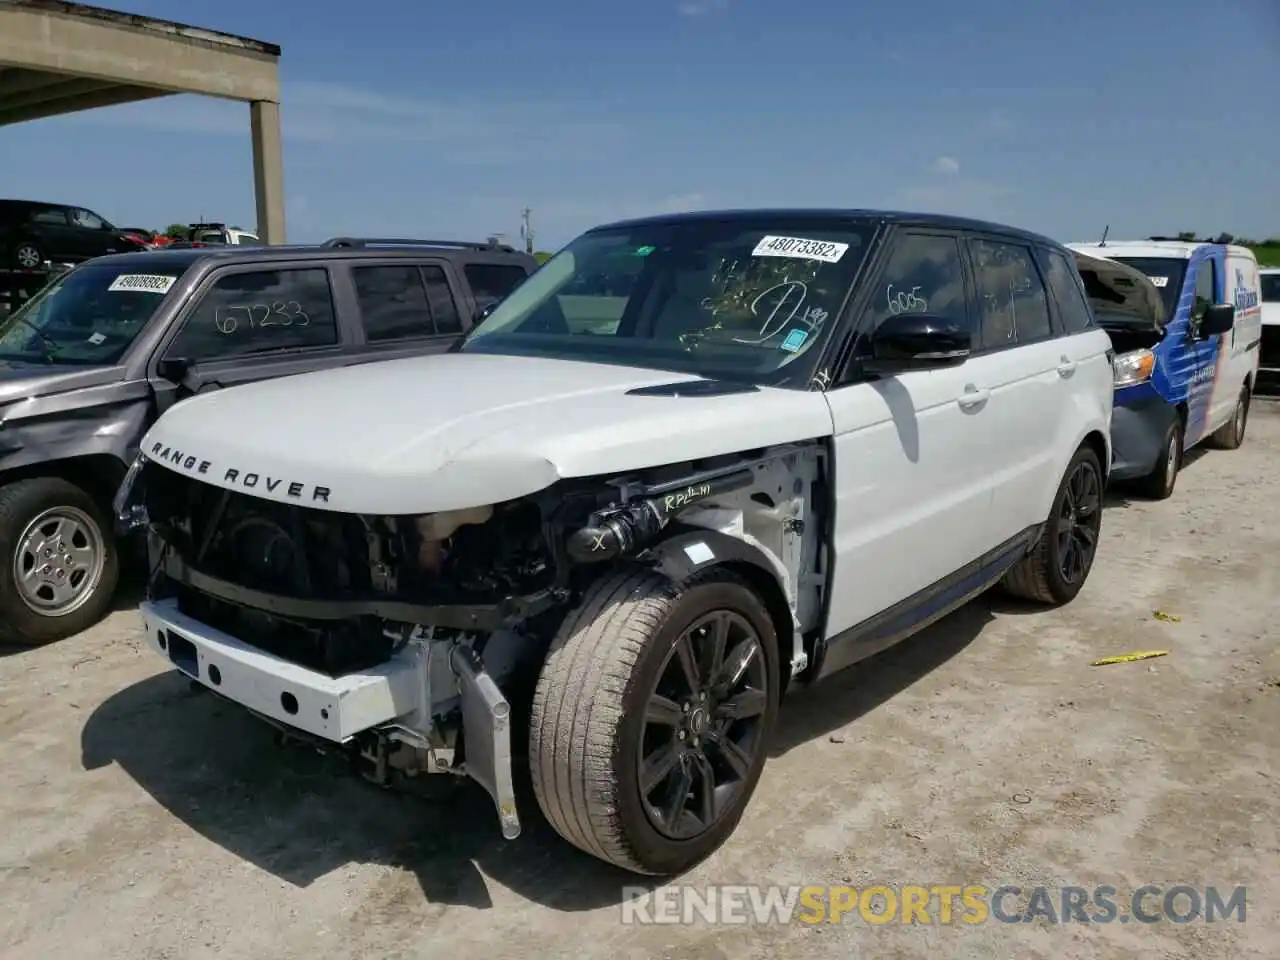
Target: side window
x=1204, y=297
x=1072, y=306
x=393, y=302
x=444, y=311
x=87, y=219
x=259, y=312
x=492, y=281
x=1011, y=295
x=49, y=216
x=924, y=275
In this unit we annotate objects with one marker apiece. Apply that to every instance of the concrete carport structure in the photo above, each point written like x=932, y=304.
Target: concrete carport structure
x=58, y=57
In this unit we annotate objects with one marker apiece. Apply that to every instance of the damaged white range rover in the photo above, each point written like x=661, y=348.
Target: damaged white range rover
x=692, y=464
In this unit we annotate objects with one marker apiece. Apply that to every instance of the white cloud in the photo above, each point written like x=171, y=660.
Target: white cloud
x=946, y=166
x=318, y=112
x=700, y=8
x=960, y=197
x=588, y=211
x=997, y=121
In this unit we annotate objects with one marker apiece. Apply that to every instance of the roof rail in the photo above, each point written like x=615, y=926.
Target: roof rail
x=394, y=242
x=1221, y=238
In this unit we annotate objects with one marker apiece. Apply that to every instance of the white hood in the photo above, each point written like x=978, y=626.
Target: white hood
x=445, y=432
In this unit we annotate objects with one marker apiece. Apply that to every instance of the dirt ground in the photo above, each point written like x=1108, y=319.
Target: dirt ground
x=143, y=820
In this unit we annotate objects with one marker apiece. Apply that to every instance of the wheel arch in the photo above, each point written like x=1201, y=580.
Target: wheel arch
x=694, y=550
x=97, y=474
x=1100, y=444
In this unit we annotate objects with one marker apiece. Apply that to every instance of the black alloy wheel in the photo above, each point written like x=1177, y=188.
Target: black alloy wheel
x=1079, y=522
x=703, y=729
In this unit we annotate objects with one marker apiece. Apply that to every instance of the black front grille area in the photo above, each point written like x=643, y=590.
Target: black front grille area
x=275, y=548
x=1270, y=347
x=335, y=648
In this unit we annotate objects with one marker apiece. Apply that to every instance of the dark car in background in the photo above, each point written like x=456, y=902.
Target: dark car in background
x=89, y=362
x=32, y=232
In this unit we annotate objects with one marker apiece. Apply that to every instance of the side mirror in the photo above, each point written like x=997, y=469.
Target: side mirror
x=1219, y=318
x=916, y=341
x=483, y=312
x=174, y=369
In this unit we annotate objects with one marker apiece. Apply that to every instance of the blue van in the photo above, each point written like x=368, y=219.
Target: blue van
x=1186, y=344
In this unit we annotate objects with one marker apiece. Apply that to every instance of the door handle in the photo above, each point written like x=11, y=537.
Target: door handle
x=972, y=397
x=1066, y=367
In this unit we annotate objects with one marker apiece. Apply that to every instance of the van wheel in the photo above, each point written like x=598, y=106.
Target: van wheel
x=652, y=716
x=1158, y=485
x=1058, y=566
x=61, y=564
x=1230, y=435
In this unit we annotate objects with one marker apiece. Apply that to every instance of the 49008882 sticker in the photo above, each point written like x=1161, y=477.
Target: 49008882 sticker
x=799, y=248
x=142, y=283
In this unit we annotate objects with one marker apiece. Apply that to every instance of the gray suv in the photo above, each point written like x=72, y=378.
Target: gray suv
x=88, y=364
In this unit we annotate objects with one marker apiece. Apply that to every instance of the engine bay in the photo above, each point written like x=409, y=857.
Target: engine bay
x=342, y=592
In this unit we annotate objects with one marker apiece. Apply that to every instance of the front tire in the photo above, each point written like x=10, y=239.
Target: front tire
x=60, y=562
x=1058, y=566
x=1159, y=484
x=1230, y=435
x=652, y=716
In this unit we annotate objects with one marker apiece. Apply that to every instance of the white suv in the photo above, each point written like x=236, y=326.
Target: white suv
x=693, y=463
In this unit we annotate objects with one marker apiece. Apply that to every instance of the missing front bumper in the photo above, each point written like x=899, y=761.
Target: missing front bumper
x=340, y=709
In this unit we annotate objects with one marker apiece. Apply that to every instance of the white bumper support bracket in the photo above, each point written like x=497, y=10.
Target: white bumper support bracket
x=338, y=708
x=486, y=726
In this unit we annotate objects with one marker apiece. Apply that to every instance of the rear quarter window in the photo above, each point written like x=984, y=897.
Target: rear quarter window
x=1064, y=287
x=491, y=282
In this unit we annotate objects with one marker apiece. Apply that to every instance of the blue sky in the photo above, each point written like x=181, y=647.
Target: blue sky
x=445, y=119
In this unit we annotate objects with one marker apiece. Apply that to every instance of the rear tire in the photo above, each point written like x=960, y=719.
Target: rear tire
x=59, y=563
x=1230, y=435
x=1159, y=484
x=626, y=746
x=1059, y=564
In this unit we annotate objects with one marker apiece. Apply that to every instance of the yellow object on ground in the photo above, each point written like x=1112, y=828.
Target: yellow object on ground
x=1130, y=657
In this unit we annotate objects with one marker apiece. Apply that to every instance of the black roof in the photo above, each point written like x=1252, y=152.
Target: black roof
x=837, y=215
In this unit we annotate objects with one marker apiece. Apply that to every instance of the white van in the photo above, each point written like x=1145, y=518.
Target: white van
x=1191, y=377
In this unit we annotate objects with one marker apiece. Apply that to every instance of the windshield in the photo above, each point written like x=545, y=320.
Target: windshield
x=1271, y=288
x=1165, y=274
x=735, y=299
x=87, y=316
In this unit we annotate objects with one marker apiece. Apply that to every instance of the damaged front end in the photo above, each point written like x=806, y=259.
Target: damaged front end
x=386, y=637
x=401, y=641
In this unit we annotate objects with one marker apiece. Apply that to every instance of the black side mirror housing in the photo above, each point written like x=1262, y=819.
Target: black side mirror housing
x=916, y=341
x=174, y=369
x=1219, y=318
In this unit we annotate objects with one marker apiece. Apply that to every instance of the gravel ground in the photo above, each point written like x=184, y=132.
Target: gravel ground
x=145, y=820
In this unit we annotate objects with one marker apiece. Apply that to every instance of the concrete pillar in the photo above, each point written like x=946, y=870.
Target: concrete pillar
x=268, y=170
